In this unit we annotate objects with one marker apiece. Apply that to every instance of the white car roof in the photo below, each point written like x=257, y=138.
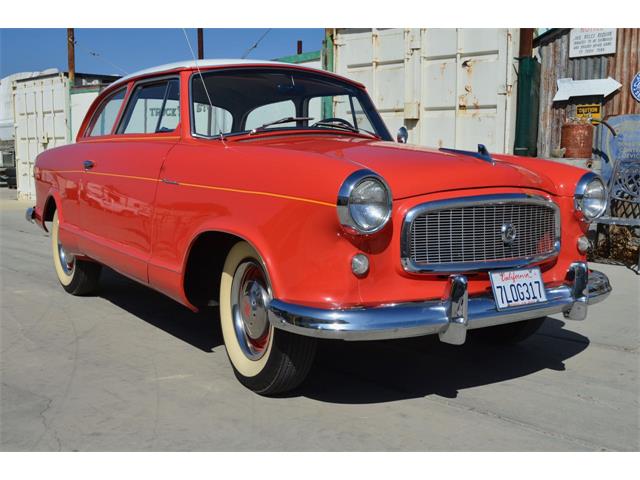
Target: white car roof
x=212, y=62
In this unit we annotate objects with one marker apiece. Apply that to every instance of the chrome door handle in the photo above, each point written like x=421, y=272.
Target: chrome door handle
x=87, y=164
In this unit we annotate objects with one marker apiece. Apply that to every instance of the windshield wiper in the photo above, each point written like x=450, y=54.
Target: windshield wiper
x=344, y=126
x=278, y=122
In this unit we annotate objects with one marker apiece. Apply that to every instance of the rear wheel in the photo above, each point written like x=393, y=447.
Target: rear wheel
x=510, y=333
x=264, y=359
x=78, y=277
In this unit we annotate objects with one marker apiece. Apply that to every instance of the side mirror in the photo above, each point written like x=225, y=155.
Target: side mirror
x=403, y=135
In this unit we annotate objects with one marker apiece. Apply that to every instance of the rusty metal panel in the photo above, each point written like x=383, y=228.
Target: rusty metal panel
x=554, y=64
x=623, y=66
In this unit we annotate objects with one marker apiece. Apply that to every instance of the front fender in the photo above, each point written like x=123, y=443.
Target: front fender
x=299, y=242
x=564, y=177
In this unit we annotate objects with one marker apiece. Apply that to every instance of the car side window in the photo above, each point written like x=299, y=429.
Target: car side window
x=153, y=108
x=108, y=114
x=170, y=115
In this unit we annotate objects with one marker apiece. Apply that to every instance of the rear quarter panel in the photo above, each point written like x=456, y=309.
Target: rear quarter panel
x=58, y=176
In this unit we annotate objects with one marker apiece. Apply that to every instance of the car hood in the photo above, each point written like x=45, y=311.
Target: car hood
x=412, y=170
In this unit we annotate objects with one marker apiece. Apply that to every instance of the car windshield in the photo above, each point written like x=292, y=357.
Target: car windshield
x=251, y=101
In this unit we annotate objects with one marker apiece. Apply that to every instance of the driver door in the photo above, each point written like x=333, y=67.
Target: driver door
x=121, y=179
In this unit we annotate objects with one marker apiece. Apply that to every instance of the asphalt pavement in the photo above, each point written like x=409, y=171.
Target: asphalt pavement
x=129, y=369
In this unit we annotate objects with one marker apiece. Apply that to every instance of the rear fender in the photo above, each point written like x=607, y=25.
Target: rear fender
x=52, y=200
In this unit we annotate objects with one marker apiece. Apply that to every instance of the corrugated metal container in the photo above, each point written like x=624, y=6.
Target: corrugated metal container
x=450, y=87
x=553, y=51
x=48, y=114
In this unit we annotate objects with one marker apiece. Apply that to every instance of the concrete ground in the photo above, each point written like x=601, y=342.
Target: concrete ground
x=131, y=370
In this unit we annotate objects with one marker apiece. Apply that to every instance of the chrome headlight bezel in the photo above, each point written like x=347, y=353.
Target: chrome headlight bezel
x=344, y=204
x=583, y=190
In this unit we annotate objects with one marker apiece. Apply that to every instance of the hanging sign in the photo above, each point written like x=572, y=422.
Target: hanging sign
x=635, y=87
x=591, y=110
x=584, y=42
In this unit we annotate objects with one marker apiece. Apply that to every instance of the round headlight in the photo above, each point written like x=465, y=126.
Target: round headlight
x=364, y=203
x=590, y=197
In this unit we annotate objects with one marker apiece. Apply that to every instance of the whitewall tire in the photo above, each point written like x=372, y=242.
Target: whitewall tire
x=264, y=359
x=78, y=277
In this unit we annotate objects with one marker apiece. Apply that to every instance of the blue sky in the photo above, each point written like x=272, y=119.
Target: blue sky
x=136, y=48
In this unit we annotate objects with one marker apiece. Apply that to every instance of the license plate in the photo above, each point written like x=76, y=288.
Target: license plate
x=513, y=288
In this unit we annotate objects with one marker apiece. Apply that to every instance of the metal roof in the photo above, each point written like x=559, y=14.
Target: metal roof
x=205, y=63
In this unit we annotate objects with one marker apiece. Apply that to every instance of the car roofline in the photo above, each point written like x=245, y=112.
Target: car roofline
x=215, y=64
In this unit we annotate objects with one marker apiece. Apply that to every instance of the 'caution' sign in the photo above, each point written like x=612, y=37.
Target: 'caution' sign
x=593, y=110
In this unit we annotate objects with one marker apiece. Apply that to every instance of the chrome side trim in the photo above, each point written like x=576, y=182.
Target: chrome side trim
x=450, y=317
x=468, y=267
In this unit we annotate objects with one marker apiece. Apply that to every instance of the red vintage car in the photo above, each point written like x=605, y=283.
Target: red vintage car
x=277, y=193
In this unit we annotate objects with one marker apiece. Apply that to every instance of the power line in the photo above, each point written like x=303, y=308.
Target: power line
x=255, y=45
x=100, y=57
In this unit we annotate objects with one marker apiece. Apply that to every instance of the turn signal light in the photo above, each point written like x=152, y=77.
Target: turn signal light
x=583, y=244
x=359, y=264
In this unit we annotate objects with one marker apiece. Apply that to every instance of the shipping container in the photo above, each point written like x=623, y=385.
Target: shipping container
x=450, y=87
x=6, y=102
x=47, y=113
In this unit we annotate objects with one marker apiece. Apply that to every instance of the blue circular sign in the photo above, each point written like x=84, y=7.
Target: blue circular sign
x=635, y=87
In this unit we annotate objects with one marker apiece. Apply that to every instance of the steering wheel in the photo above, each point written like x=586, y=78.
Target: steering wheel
x=334, y=120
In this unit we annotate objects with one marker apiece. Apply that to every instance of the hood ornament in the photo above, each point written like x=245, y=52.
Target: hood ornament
x=481, y=154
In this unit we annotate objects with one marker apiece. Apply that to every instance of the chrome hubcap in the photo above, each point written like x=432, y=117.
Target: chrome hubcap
x=250, y=297
x=67, y=260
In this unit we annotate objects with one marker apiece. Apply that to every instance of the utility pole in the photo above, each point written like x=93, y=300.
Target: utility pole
x=200, y=44
x=71, y=56
x=526, y=42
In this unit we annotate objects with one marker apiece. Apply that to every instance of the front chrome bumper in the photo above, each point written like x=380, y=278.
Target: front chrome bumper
x=449, y=317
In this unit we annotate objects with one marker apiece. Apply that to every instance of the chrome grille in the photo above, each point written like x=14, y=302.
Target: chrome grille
x=469, y=231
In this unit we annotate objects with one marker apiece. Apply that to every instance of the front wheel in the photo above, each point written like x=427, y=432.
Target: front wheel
x=510, y=333
x=264, y=359
x=77, y=277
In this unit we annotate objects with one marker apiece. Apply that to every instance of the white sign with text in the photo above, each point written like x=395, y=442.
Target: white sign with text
x=584, y=42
